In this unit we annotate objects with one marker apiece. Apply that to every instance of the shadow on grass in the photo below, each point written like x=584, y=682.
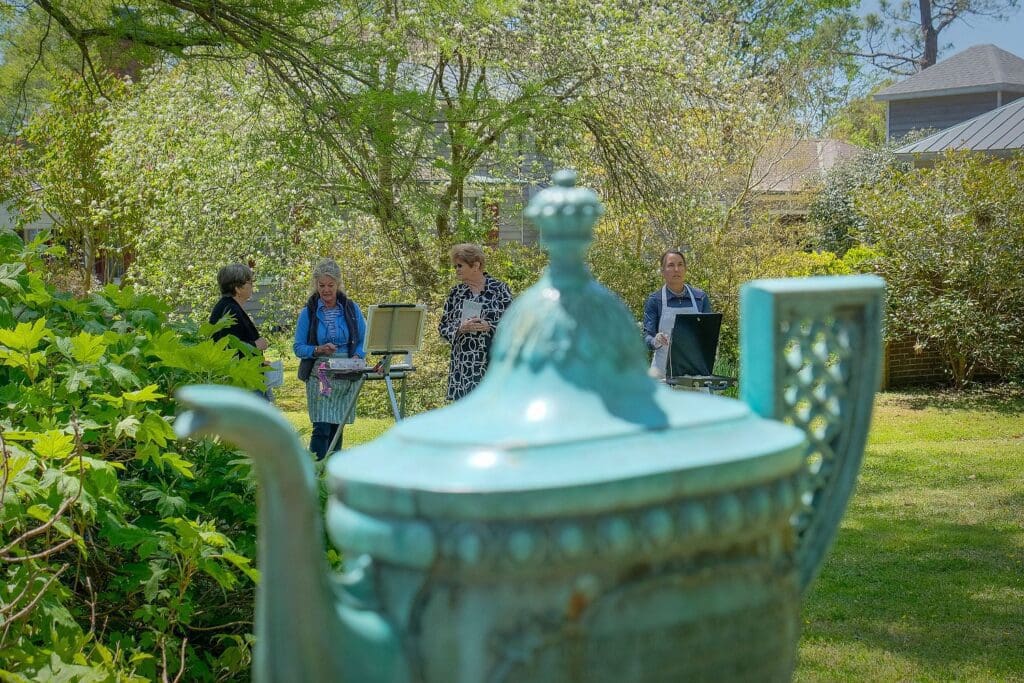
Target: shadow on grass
x=944, y=595
x=1014, y=501
x=998, y=398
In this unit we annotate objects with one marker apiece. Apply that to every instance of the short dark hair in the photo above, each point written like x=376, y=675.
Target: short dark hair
x=230, y=278
x=665, y=254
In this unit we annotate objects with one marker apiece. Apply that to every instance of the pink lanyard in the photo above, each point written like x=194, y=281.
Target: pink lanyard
x=321, y=375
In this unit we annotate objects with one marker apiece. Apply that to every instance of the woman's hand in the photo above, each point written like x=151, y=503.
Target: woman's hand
x=262, y=344
x=661, y=339
x=475, y=325
x=327, y=349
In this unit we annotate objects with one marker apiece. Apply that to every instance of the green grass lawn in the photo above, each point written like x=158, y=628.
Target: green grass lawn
x=926, y=580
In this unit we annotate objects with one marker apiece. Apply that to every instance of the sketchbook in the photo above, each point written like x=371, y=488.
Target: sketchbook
x=471, y=309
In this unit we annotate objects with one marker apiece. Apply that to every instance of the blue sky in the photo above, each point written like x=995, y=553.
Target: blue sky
x=1008, y=35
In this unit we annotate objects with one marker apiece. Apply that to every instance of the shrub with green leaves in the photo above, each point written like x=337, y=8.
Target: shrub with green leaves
x=835, y=219
x=125, y=554
x=950, y=243
x=805, y=264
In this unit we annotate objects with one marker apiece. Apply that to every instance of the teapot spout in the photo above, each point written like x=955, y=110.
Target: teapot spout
x=810, y=355
x=297, y=624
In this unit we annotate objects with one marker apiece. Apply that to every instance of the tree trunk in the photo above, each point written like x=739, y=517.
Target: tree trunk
x=442, y=220
x=398, y=229
x=450, y=203
x=457, y=173
x=400, y=232
x=960, y=364
x=89, y=258
x=929, y=35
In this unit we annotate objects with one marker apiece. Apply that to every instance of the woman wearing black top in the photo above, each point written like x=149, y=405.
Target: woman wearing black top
x=236, y=288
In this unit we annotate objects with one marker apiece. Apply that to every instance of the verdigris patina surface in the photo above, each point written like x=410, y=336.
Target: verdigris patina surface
x=571, y=519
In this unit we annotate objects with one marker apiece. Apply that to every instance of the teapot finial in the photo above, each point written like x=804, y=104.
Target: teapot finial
x=568, y=322
x=565, y=215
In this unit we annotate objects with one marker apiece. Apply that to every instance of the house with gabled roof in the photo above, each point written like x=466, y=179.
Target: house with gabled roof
x=9, y=219
x=973, y=101
x=968, y=84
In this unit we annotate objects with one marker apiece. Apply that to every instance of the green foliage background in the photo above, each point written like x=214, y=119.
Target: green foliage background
x=833, y=211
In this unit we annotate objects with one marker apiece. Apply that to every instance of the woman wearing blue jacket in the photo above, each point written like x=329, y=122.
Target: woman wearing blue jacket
x=339, y=331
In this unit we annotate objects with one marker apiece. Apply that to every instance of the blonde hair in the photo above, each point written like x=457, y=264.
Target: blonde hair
x=331, y=269
x=468, y=253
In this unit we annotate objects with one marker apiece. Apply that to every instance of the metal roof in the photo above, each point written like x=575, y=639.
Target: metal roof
x=999, y=132
x=981, y=68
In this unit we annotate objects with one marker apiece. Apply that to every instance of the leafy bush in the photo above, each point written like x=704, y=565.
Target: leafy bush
x=861, y=259
x=951, y=244
x=624, y=258
x=125, y=555
x=806, y=264
x=833, y=214
x=53, y=168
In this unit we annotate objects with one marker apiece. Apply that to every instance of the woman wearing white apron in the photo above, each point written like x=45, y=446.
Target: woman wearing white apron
x=662, y=306
x=667, y=321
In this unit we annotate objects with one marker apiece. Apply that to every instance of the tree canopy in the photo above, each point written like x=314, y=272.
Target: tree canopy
x=400, y=107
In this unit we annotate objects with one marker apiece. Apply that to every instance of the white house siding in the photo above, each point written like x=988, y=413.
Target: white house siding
x=28, y=232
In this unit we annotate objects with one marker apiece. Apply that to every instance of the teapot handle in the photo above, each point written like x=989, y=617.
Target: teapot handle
x=810, y=356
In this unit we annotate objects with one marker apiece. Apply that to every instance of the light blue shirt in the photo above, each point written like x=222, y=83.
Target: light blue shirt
x=339, y=337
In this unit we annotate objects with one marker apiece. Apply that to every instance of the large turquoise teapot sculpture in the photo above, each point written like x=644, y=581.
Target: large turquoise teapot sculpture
x=572, y=519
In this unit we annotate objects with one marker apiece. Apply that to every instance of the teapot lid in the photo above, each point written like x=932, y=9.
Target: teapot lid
x=566, y=405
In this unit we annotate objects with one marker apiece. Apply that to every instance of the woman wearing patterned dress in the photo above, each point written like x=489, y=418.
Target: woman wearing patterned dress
x=471, y=334
x=337, y=329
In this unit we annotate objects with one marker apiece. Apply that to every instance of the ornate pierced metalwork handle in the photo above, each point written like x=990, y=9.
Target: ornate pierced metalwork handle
x=811, y=351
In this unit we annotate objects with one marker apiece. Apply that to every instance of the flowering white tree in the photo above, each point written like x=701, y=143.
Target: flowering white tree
x=396, y=106
x=206, y=181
